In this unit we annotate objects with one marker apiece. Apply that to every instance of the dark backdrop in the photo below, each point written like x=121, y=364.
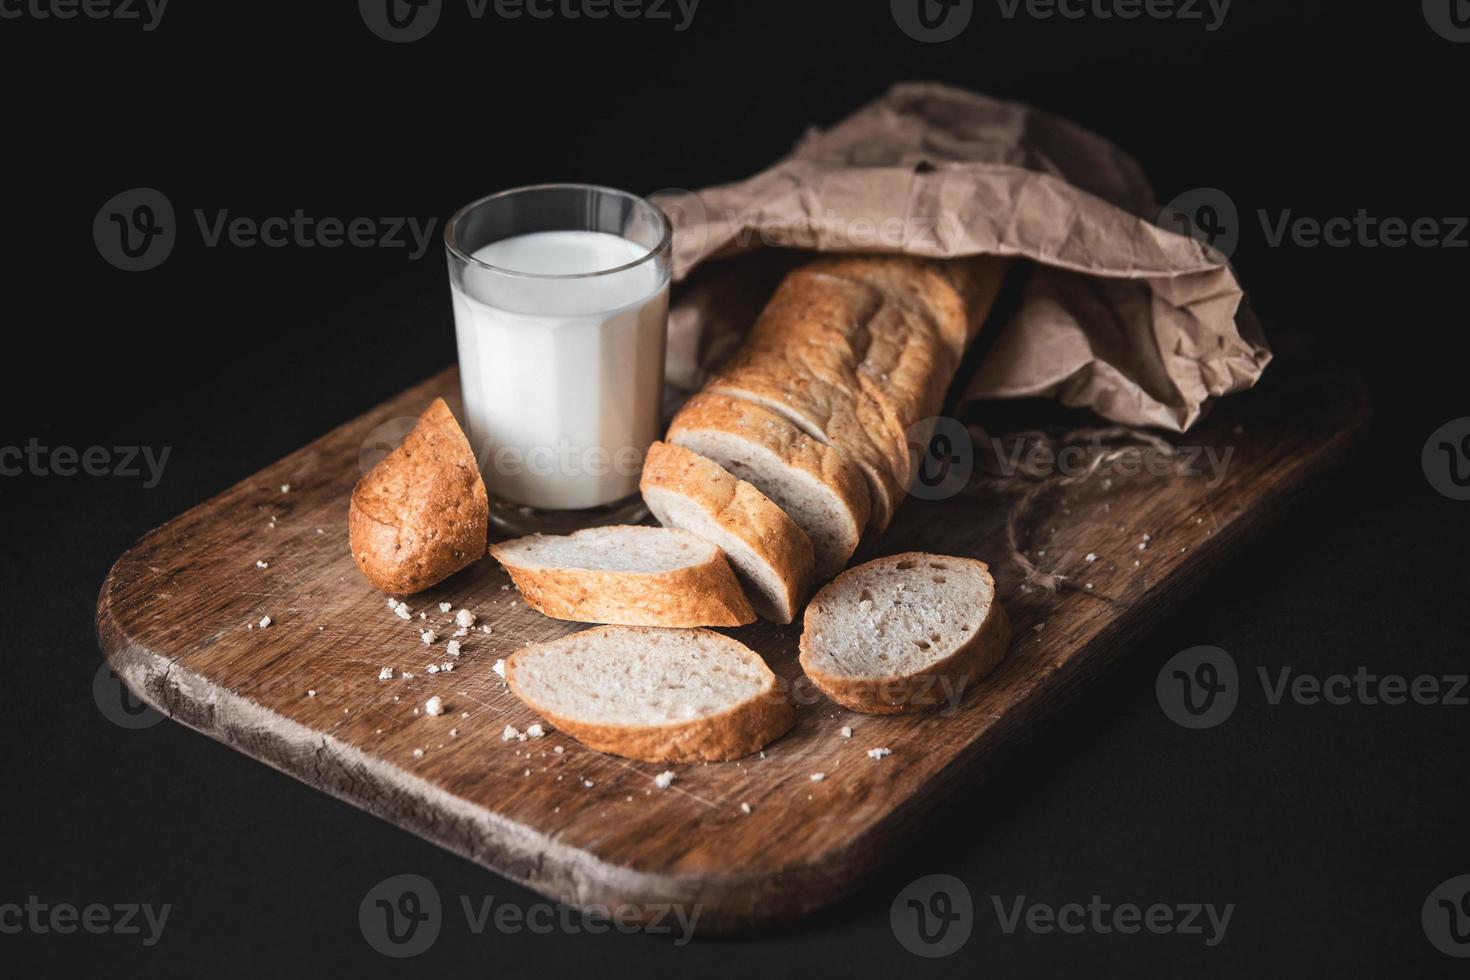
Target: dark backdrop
x=1327, y=827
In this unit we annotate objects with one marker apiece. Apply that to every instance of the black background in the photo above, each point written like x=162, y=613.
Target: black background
x=1326, y=826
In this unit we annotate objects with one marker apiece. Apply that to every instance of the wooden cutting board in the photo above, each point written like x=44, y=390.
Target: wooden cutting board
x=304, y=693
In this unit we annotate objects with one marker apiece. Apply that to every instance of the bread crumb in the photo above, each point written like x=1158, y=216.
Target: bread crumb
x=558, y=750
x=452, y=648
x=445, y=607
x=485, y=629
x=817, y=777
x=588, y=783
x=423, y=615
x=401, y=611
x=418, y=753
x=1089, y=586
x=745, y=808
x=464, y=618
x=499, y=667
x=265, y=621
x=446, y=666
x=310, y=692
x=454, y=733
x=406, y=676
x=846, y=731
x=285, y=488
x=460, y=631
x=428, y=636
x=432, y=668
x=1039, y=627
x=262, y=564
x=663, y=779
x=535, y=731
x=879, y=753
x=434, y=706
x=392, y=602
x=511, y=733
x=1091, y=557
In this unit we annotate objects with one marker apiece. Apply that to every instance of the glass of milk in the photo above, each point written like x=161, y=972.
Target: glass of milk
x=561, y=298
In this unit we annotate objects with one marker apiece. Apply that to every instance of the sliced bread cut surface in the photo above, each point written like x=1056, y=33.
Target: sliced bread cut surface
x=771, y=555
x=905, y=633
x=658, y=695
x=422, y=513
x=630, y=575
x=815, y=484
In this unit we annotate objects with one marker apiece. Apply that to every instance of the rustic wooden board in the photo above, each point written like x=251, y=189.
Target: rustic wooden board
x=590, y=829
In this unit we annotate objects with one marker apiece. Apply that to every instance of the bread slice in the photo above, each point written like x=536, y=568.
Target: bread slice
x=771, y=556
x=904, y=633
x=816, y=485
x=800, y=361
x=635, y=576
x=658, y=695
x=422, y=513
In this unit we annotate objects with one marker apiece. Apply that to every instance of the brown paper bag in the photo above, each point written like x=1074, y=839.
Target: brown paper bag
x=1141, y=324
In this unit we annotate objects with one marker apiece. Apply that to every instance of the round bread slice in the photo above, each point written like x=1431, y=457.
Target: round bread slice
x=657, y=695
x=904, y=633
x=771, y=556
x=817, y=486
x=422, y=513
x=629, y=575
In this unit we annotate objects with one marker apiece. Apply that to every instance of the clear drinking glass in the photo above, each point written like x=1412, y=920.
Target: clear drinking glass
x=561, y=297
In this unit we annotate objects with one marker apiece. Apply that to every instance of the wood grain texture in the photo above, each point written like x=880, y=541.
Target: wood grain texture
x=589, y=829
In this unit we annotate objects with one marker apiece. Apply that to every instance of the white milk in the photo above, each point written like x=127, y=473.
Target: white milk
x=562, y=378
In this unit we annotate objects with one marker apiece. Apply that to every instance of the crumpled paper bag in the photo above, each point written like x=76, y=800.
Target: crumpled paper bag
x=1139, y=323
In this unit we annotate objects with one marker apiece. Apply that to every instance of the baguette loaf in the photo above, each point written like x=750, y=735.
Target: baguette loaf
x=856, y=351
x=658, y=695
x=904, y=633
x=636, y=576
x=771, y=556
x=816, y=485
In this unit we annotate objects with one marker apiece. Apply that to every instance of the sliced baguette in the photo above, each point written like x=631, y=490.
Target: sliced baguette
x=815, y=484
x=657, y=695
x=631, y=575
x=422, y=513
x=771, y=556
x=904, y=633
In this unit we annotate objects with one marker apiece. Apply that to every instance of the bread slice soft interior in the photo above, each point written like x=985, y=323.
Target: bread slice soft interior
x=815, y=484
x=658, y=695
x=771, y=555
x=626, y=574
x=908, y=632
